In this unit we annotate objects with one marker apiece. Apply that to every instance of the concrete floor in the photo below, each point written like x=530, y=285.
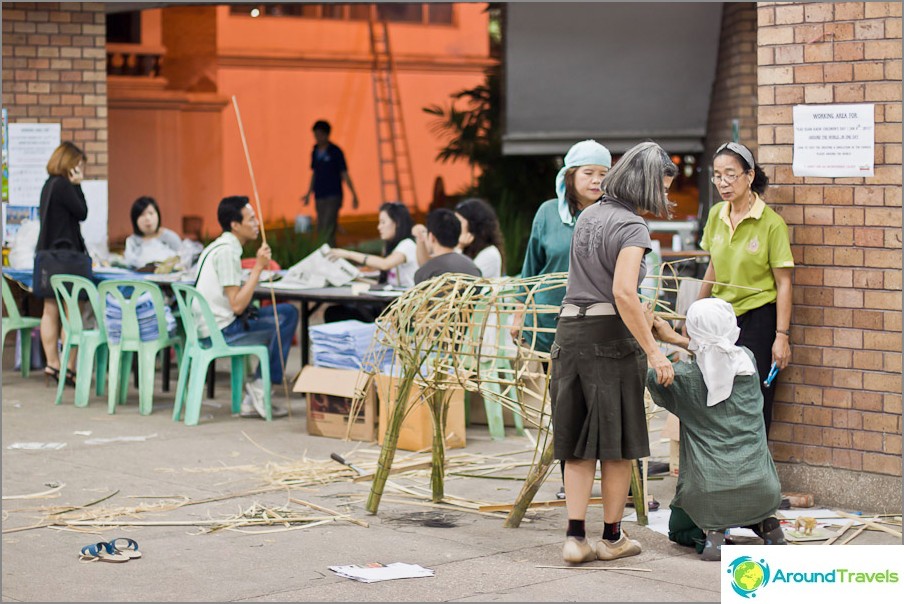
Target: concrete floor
x=474, y=557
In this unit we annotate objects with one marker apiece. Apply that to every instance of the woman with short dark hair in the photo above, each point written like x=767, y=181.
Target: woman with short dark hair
x=150, y=242
x=749, y=247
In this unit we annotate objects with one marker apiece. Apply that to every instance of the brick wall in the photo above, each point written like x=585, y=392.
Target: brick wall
x=839, y=404
x=54, y=70
x=734, y=94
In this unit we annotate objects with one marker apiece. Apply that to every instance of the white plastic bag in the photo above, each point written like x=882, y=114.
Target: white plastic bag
x=22, y=247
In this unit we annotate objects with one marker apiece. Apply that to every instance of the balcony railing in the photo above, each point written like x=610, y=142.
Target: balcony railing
x=134, y=60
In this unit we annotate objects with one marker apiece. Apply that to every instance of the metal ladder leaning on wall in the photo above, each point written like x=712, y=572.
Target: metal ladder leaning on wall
x=393, y=155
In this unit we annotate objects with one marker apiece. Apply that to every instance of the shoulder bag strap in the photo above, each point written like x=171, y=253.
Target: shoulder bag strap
x=204, y=257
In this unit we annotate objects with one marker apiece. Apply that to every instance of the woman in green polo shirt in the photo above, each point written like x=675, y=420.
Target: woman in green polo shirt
x=750, y=252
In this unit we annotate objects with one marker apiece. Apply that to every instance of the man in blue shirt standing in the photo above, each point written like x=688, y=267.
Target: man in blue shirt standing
x=328, y=171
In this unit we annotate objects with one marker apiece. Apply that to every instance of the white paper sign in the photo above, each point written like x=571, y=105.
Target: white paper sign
x=30, y=147
x=94, y=228
x=834, y=141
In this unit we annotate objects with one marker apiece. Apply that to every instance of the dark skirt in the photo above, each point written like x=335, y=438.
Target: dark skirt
x=597, y=390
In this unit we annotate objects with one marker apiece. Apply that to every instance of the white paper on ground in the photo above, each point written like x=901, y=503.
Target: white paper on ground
x=37, y=446
x=119, y=439
x=380, y=572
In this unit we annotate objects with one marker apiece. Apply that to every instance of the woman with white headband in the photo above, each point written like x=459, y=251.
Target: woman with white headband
x=726, y=474
x=749, y=247
x=602, y=348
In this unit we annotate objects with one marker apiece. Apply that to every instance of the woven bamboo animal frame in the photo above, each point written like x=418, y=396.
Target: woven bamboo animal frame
x=454, y=331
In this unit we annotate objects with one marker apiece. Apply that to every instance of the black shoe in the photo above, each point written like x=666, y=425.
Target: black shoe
x=561, y=493
x=785, y=504
x=652, y=506
x=656, y=468
x=770, y=531
x=712, y=551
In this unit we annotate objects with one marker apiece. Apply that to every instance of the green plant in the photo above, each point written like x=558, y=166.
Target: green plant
x=514, y=185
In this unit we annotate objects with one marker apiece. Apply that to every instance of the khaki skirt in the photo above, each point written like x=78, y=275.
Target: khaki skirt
x=597, y=390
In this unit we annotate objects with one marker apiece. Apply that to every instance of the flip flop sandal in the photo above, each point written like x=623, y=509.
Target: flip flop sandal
x=130, y=550
x=102, y=552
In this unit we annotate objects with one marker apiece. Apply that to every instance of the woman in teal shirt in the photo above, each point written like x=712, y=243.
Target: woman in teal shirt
x=578, y=185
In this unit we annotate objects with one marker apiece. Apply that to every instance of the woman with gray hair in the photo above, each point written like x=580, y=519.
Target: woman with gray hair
x=602, y=348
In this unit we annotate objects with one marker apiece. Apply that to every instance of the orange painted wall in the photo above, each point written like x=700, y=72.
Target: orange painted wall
x=287, y=73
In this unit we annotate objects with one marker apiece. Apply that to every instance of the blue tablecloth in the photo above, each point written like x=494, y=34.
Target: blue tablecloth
x=24, y=275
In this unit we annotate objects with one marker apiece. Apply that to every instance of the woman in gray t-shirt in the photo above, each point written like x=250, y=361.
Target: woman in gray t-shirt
x=602, y=347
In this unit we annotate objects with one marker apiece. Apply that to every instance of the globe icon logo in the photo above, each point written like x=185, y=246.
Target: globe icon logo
x=748, y=575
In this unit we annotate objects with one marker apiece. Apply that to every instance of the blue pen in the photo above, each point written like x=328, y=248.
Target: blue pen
x=773, y=371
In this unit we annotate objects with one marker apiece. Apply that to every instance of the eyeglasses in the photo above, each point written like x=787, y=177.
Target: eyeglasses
x=726, y=178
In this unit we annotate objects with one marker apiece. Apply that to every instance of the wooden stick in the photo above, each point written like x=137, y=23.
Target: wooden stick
x=871, y=524
x=637, y=570
x=329, y=511
x=260, y=212
x=41, y=495
x=396, y=469
x=856, y=533
x=840, y=532
x=556, y=503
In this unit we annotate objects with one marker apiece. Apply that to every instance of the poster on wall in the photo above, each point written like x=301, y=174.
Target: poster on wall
x=30, y=146
x=4, y=134
x=834, y=141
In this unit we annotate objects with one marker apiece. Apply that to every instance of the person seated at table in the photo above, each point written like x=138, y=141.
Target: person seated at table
x=726, y=474
x=441, y=235
x=220, y=282
x=151, y=242
x=480, y=240
x=397, y=265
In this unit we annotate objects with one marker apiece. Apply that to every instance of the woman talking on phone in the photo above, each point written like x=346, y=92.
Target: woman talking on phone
x=62, y=207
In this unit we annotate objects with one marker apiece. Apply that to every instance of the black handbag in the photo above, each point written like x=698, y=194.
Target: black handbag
x=62, y=258
x=58, y=261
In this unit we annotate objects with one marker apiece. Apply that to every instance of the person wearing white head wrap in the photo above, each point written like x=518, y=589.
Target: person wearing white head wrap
x=726, y=474
x=713, y=331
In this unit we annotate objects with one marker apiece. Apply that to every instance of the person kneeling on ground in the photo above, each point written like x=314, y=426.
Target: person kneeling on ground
x=220, y=282
x=727, y=477
x=441, y=236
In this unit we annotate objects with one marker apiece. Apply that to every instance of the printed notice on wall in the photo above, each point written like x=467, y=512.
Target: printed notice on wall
x=834, y=141
x=30, y=147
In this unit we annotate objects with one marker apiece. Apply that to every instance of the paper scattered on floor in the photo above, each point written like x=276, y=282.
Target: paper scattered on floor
x=37, y=446
x=119, y=439
x=372, y=573
x=82, y=432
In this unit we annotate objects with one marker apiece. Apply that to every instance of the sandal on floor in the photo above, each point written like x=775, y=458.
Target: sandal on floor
x=102, y=552
x=51, y=374
x=130, y=550
x=70, y=378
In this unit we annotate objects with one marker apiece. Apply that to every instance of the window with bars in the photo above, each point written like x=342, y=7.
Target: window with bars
x=393, y=12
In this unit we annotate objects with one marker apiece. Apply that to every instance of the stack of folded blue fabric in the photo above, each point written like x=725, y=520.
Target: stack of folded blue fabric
x=343, y=344
x=147, y=319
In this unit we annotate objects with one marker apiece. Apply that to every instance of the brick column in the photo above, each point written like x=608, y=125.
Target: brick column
x=734, y=94
x=839, y=404
x=54, y=70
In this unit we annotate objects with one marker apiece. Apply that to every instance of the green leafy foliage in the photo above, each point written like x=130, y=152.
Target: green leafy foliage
x=515, y=185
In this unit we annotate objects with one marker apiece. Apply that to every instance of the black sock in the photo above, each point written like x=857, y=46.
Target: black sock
x=612, y=532
x=576, y=529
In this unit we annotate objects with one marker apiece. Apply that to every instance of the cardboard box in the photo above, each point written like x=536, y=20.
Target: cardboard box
x=477, y=411
x=329, y=394
x=416, y=432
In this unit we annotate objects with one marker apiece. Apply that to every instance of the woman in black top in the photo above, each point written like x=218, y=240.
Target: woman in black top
x=63, y=206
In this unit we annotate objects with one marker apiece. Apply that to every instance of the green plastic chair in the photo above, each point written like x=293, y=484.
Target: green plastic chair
x=492, y=359
x=13, y=321
x=198, y=356
x=122, y=353
x=91, y=343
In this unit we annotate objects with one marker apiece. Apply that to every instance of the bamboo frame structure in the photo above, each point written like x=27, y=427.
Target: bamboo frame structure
x=452, y=332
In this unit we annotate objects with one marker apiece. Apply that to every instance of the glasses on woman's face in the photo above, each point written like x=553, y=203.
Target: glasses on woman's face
x=726, y=178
